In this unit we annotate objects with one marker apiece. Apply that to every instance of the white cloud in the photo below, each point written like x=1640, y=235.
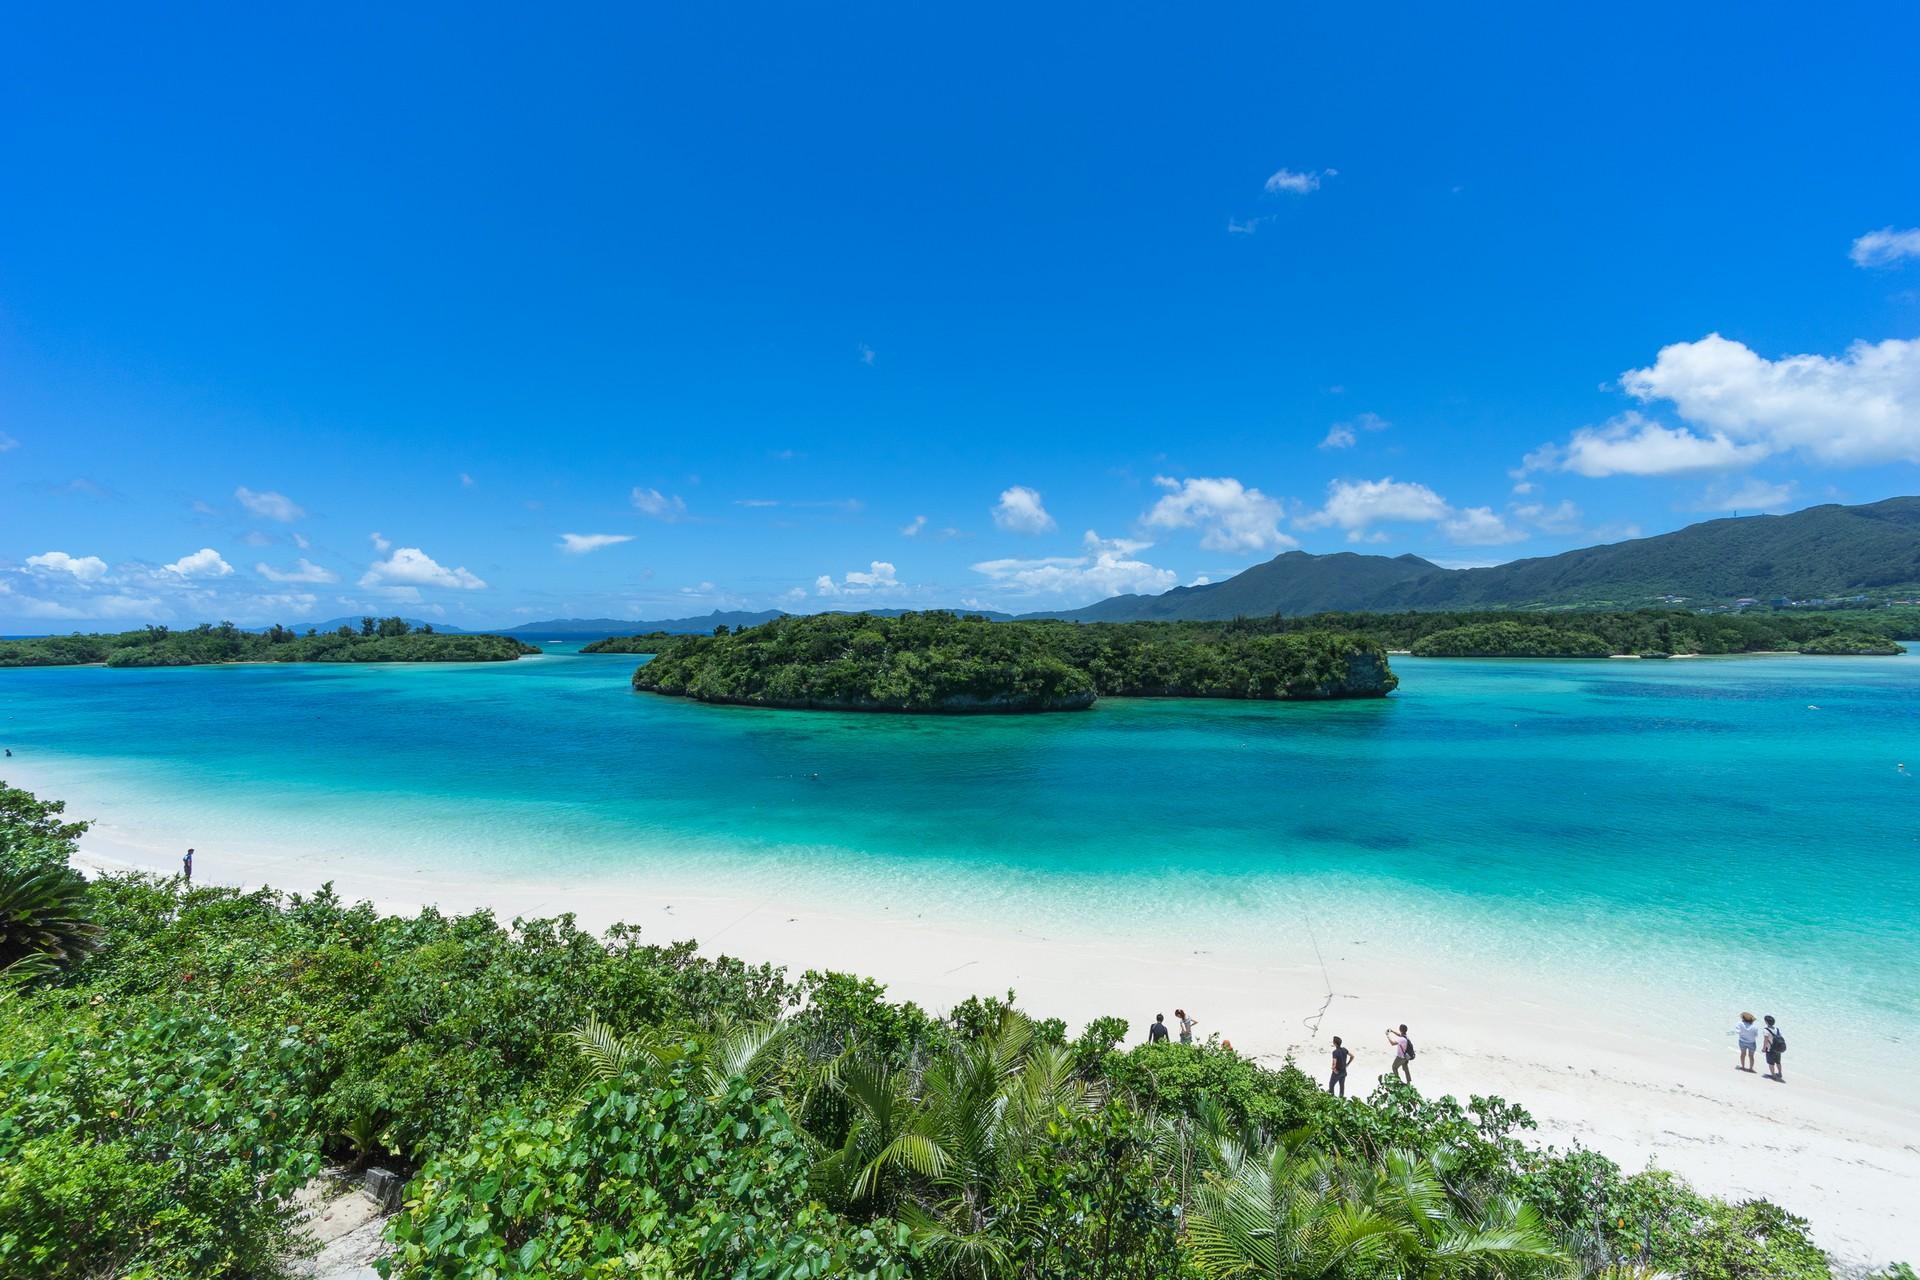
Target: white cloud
x=1751, y=494
x=379, y=543
x=1107, y=567
x=756, y=502
x=866, y=353
x=913, y=527
x=85, y=568
x=879, y=576
x=1885, y=247
x=7, y=442
x=1020, y=511
x=1298, y=184
x=1633, y=445
x=109, y=606
x=1234, y=517
x=659, y=505
x=1237, y=227
x=578, y=544
x=1852, y=410
x=304, y=570
x=1358, y=505
x=1563, y=518
x=300, y=541
x=204, y=563
x=1355, y=504
x=410, y=567
x=269, y=505
x=1479, y=527
x=1339, y=436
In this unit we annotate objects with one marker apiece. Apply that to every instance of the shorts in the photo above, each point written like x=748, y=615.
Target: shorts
x=1773, y=1057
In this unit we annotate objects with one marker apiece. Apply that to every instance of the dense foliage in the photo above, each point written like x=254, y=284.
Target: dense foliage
x=377, y=640
x=1591, y=633
x=938, y=661
x=576, y=1107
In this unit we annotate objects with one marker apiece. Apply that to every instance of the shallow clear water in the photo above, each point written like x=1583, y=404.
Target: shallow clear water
x=1692, y=829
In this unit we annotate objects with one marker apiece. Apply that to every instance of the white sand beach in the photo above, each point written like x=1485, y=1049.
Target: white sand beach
x=1837, y=1144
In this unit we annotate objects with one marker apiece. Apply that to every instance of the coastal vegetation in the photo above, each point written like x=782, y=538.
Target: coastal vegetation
x=375, y=640
x=939, y=661
x=183, y=1059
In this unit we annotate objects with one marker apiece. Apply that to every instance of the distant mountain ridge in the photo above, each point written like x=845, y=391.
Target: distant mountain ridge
x=597, y=627
x=1822, y=552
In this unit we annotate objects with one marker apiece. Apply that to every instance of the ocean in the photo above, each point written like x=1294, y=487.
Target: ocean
x=1697, y=835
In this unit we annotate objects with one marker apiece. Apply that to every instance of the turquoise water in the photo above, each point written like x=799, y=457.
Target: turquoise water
x=1691, y=824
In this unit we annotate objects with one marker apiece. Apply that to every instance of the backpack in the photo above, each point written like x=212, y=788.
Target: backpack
x=1779, y=1041
x=1409, y=1041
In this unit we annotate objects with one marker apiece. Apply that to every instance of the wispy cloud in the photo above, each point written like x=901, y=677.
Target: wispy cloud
x=913, y=527
x=1105, y=567
x=660, y=506
x=304, y=570
x=1885, y=247
x=866, y=353
x=268, y=504
x=579, y=544
x=1294, y=182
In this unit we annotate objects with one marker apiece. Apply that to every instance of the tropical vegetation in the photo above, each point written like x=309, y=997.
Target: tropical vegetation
x=940, y=661
x=180, y=1060
x=376, y=640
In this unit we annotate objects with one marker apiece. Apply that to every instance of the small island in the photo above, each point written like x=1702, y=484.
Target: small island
x=941, y=662
x=377, y=640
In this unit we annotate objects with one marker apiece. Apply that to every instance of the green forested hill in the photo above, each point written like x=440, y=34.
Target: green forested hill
x=384, y=640
x=941, y=662
x=1827, y=551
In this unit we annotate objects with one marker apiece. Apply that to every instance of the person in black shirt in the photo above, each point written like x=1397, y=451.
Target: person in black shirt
x=1157, y=1033
x=186, y=866
x=1337, y=1082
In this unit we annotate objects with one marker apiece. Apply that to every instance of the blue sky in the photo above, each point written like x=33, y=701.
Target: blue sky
x=310, y=313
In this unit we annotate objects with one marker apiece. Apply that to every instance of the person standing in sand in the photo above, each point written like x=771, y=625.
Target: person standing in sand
x=1186, y=1025
x=1773, y=1043
x=1157, y=1033
x=1342, y=1056
x=186, y=866
x=1402, y=1052
x=1747, y=1033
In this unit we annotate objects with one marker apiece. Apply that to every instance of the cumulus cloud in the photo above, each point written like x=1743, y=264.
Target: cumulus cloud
x=268, y=505
x=878, y=576
x=1856, y=409
x=379, y=543
x=304, y=570
x=1021, y=511
x=412, y=567
x=1105, y=567
x=1358, y=505
x=1634, y=445
x=1885, y=247
x=1233, y=517
x=204, y=563
x=1479, y=527
x=1339, y=436
x=579, y=544
x=660, y=506
x=1295, y=183
x=85, y=568
x=913, y=527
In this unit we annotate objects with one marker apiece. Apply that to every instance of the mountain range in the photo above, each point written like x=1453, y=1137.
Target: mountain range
x=1823, y=552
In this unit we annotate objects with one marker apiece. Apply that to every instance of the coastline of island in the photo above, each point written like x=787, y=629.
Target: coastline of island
x=377, y=640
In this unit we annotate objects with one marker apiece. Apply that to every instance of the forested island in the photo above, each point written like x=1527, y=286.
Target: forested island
x=176, y=1062
x=377, y=640
x=944, y=662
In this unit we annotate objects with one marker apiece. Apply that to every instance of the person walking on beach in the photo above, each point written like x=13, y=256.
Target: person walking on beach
x=1157, y=1033
x=1186, y=1025
x=1337, y=1082
x=1402, y=1052
x=186, y=866
x=1748, y=1036
x=1773, y=1043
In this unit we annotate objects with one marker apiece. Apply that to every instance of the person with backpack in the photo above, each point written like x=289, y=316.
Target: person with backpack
x=1773, y=1043
x=1157, y=1033
x=1402, y=1052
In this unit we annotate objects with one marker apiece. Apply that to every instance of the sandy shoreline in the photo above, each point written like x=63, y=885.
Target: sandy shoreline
x=1849, y=1162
